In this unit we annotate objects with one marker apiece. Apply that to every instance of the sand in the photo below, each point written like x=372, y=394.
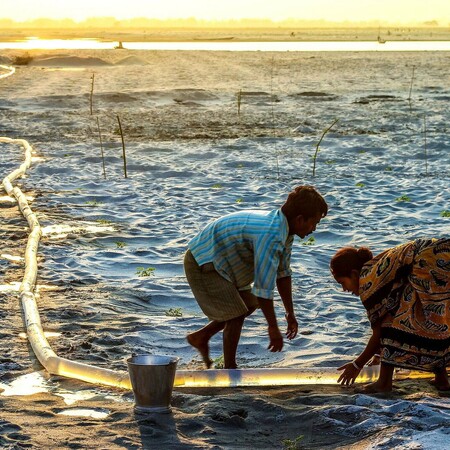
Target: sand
x=190, y=158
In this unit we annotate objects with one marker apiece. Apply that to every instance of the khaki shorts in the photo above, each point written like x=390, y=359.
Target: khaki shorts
x=217, y=297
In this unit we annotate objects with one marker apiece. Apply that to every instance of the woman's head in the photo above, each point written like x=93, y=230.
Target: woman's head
x=346, y=266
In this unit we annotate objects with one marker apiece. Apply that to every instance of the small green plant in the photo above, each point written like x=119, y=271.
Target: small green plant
x=445, y=213
x=120, y=244
x=239, y=200
x=361, y=151
x=145, y=272
x=291, y=444
x=219, y=362
x=330, y=161
x=361, y=185
x=104, y=222
x=174, y=312
x=94, y=203
x=388, y=169
x=217, y=186
x=311, y=241
x=403, y=198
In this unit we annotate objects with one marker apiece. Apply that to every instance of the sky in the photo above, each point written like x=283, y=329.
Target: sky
x=390, y=11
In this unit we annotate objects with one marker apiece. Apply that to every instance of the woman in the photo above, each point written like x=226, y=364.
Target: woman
x=406, y=292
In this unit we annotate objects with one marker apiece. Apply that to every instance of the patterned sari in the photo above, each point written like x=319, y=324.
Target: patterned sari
x=407, y=288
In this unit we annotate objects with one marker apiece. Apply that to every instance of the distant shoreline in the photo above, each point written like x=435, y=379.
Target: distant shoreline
x=233, y=34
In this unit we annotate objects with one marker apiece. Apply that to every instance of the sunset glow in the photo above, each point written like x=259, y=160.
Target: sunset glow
x=400, y=11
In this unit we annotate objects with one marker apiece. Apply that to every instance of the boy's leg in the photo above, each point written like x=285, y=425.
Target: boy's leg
x=200, y=339
x=231, y=336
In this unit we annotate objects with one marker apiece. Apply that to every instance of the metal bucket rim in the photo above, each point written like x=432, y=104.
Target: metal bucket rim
x=169, y=360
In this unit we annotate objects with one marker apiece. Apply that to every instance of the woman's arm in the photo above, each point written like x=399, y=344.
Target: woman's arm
x=351, y=370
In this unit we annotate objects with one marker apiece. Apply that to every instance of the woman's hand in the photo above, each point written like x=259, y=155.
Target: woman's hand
x=292, y=326
x=349, y=374
x=276, y=339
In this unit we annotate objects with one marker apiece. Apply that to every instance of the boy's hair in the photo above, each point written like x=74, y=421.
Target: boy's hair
x=304, y=201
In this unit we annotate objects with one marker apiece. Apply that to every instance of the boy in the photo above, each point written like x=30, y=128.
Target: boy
x=243, y=249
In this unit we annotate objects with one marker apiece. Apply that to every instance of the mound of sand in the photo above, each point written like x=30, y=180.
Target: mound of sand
x=68, y=61
x=131, y=61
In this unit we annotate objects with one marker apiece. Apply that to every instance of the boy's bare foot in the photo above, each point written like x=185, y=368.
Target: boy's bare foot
x=203, y=348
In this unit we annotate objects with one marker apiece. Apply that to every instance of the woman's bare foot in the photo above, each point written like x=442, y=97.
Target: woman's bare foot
x=440, y=381
x=197, y=341
x=377, y=387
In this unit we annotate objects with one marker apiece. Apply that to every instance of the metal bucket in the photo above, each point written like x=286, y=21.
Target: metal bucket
x=152, y=379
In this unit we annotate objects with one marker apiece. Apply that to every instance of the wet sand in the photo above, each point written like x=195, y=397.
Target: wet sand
x=191, y=157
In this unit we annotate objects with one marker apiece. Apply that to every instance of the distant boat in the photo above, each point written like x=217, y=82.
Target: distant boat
x=228, y=38
x=120, y=46
x=380, y=39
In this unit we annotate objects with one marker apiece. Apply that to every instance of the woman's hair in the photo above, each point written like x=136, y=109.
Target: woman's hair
x=349, y=258
x=304, y=201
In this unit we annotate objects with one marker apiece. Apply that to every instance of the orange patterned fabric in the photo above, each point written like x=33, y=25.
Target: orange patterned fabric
x=407, y=288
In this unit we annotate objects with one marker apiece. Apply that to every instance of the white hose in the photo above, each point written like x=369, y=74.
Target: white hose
x=10, y=70
x=98, y=375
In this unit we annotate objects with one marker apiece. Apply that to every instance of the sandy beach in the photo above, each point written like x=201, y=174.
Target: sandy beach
x=209, y=133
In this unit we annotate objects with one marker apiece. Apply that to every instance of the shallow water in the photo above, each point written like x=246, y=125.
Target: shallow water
x=383, y=169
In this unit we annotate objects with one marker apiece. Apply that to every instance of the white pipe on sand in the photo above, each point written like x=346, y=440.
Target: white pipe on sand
x=10, y=70
x=183, y=378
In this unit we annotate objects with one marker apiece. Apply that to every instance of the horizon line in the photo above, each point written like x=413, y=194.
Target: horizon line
x=135, y=22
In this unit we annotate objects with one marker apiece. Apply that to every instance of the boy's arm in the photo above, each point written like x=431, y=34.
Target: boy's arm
x=284, y=286
x=276, y=339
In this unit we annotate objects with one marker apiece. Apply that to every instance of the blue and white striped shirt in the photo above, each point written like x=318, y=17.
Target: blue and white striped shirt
x=247, y=247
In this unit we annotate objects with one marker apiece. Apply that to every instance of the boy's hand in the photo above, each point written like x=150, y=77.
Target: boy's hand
x=292, y=326
x=276, y=339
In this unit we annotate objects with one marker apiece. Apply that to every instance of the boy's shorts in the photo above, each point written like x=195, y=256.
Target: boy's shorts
x=217, y=297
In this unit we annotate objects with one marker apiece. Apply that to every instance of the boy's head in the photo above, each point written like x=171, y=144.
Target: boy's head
x=303, y=209
x=304, y=201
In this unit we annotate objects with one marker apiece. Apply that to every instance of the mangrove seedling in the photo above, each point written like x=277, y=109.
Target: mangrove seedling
x=219, y=362
x=291, y=444
x=445, y=213
x=403, y=198
x=311, y=241
x=120, y=244
x=92, y=92
x=174, y=312
x=360, y=185
x=318, y=145
x=123, y=148
x=145, y=271
x=94, y=203
x=101, y=148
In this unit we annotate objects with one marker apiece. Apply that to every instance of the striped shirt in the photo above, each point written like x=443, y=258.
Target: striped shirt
x=247, y=247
